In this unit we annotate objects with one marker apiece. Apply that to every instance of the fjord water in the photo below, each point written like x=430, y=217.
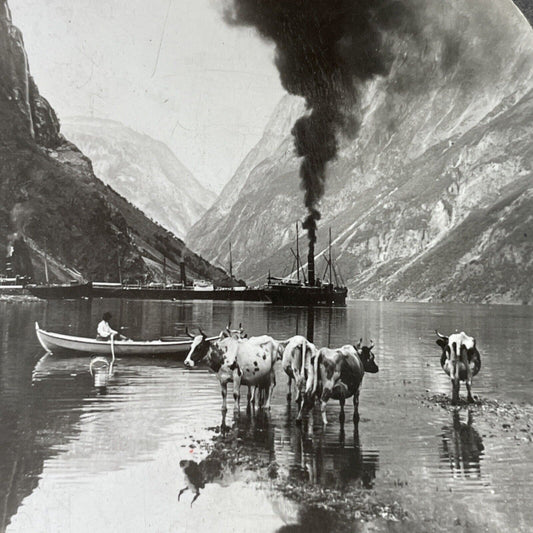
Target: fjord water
x=76, y=459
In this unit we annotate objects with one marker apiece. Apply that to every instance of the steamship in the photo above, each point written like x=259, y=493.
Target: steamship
x=184, y=290
x=310, y=291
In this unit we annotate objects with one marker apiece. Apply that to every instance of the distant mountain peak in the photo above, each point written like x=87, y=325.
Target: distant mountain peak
x=143, y=170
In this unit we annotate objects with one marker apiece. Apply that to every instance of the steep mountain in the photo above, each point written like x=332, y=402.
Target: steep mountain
x=431, y=200
x=143, y=170
x=51, y=201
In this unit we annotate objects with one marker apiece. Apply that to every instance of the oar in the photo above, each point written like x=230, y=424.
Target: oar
x=112, y=354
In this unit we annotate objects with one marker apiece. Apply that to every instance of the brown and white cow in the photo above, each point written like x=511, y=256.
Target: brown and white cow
x=275, y=348
x=460, y=359
x=296, y=362
x=338, y=374
x=234, y=360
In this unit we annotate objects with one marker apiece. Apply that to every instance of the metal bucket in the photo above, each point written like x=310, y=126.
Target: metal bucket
x=100, y=372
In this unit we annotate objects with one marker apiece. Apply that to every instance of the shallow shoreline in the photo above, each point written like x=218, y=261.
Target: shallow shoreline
x=19, y=298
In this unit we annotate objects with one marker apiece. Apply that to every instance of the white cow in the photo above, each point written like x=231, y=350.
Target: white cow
x=296, y=362
x=240, y=361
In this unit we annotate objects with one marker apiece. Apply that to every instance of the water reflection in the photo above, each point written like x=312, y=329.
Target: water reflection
x=462, y=447
x=306, y=456
x=29, y=434
x=56, y=428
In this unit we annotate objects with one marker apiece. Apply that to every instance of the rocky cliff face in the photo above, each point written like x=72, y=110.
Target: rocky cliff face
x=430, y=201
x=35, y=118
x=141, y=169
x=51, y=198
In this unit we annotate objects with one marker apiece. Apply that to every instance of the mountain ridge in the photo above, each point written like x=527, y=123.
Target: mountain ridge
x=142, y=169
x=52, y=201
x=446, y=130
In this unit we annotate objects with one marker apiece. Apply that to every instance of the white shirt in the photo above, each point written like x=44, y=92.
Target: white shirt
x=104, y=329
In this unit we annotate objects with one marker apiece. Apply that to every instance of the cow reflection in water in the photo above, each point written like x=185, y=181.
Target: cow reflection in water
x=463, y=447
x=332, y=463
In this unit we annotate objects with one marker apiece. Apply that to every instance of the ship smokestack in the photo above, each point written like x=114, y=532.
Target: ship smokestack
x=311, y=263
x=183, y=275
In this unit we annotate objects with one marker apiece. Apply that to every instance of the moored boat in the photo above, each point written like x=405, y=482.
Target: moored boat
x=310, y=291
x=293, y=294
x=66, y=291
x=60, y=343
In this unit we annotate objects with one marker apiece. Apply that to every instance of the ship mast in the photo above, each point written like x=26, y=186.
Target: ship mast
x=329, y=262
x=46, y=262
x=297, y=255
x=230, y=263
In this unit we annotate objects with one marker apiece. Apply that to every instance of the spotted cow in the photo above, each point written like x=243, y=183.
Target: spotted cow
x=338, y=374
x=460, y=359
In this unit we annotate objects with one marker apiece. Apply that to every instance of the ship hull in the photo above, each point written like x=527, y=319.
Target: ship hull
x=134, y=292
x=61, y=292
x=291, y=295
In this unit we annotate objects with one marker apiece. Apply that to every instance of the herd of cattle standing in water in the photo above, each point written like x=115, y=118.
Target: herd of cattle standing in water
x=318, y=374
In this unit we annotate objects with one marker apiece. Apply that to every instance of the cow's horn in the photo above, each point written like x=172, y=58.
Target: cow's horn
x=441, y=336
x=201, y=332
x=187, y=333
x=371, y=344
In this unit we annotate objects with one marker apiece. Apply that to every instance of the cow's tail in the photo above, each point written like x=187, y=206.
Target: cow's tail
x=302, y=362
x=315, y=372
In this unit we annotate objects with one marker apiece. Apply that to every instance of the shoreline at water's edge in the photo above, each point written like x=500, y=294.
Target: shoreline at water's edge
x=511, y=419
x=15, y=298
x=442, y=302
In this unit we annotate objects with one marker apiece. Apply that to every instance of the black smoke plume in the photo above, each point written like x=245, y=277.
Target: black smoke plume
x=324, y=48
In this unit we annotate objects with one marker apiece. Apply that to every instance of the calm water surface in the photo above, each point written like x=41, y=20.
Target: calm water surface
x=74, y=459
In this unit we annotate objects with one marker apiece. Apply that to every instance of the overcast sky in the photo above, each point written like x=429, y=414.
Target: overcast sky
x=169, y=68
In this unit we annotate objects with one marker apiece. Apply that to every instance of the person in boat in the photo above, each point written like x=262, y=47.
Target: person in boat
x=104, y=331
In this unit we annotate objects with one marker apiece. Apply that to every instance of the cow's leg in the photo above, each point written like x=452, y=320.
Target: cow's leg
x=298, y=384
x=469, y=389
x=300, y=400
x=224, y=391
x=289, y=386
x=455, y=391
x=323, y=404
x=342, y=401
x=356, y=407
x=237, y=391
x=470, y=398
x=270, y=388
x=181, y=492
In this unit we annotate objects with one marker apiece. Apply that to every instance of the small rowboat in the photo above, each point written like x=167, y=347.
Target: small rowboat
x=59, y=343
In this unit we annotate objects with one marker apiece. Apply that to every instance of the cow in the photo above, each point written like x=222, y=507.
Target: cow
x=240, y=361
x=460, y=359
x=296, y=362
x=338, y=374
x=275, y=348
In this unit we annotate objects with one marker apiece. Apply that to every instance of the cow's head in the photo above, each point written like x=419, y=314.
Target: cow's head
x=236, y=334
x=367, y=356
x=199, y=349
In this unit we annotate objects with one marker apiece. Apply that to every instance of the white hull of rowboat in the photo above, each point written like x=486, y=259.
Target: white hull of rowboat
x=60, y=343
